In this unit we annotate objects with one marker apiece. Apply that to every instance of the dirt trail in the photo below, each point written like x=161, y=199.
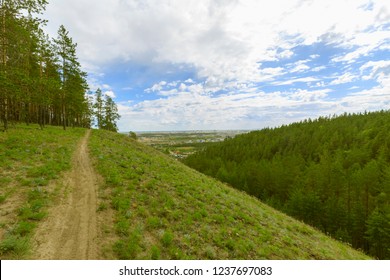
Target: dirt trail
x=70, y=231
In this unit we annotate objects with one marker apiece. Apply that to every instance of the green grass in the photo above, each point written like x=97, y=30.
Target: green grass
x=29, y=159
x=161, y=208
x=165, y=210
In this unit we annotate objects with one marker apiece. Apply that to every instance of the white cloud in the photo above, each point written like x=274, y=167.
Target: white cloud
x=345, y=78
x=305, y=96
x=271, y=73
x=297, y=80
x=368, y=100
x=379, y=71
x=110, y=93
x=300, y=68
x=168, y=92
x=221, y=39
x=95, y=83
x=189, y=81
x=156, y=87
x=194, y=111
x=376, y=68
x=226, y=44
x=285, y=54
x=318, y=68
x=365, y=43
x=173, y=84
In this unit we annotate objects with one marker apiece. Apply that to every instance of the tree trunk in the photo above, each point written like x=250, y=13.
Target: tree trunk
x=63, y=116
x=5, y=118
x=4, y=54
x=4, y=62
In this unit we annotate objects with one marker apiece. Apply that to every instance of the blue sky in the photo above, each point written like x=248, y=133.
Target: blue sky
x=231, y=64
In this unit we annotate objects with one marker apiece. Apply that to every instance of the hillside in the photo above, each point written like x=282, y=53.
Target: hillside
x=32, y=166
x=166, y=210
x=149, y=206
x=332, y=173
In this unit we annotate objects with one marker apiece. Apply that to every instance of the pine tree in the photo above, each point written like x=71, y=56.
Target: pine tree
x=98, y=108
x=105, y=111
x=17, y=57
x=41, y=81
x=110, y=115
x=10, y=21
x=378, y=233
x=73, y=80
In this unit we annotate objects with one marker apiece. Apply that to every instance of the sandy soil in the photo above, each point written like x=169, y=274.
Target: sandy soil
x=70, y=231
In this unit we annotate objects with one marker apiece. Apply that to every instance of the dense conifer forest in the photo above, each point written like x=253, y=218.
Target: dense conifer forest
x=332, y=173
x=41, y=79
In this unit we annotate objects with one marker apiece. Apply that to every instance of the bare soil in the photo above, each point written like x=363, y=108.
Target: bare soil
x=70, y=231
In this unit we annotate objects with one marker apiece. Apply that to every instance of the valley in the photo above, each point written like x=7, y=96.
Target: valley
x=182, y=144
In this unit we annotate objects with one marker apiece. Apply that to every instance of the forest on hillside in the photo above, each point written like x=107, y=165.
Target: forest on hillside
x=41, y=79
x=333, y=173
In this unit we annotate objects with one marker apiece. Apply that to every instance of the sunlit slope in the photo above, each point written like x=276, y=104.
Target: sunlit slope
x=162, y=209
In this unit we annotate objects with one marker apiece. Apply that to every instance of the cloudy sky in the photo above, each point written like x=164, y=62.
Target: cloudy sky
x=231, y=64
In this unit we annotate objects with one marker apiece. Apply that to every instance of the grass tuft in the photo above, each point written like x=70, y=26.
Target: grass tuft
x=167, y=238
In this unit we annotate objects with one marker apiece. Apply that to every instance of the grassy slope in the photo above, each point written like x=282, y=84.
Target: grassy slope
x=29, y=160
x=165, y=210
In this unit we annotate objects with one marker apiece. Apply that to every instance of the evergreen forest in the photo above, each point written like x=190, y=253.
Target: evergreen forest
x=41, y=79
x=332, y=173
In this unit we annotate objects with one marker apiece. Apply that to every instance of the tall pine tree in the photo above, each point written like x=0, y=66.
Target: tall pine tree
x=73, y=80
x=111, y=115
x=106, y=112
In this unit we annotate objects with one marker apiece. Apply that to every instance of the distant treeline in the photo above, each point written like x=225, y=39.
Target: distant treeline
x=332, y=173
x=41, y=80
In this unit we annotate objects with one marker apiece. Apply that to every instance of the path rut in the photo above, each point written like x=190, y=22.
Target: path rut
x=70, y=231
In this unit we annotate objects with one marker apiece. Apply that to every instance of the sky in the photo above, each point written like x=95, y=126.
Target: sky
x=230, y=64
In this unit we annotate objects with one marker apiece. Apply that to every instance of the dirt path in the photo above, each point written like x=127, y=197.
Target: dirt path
x=70, y=231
